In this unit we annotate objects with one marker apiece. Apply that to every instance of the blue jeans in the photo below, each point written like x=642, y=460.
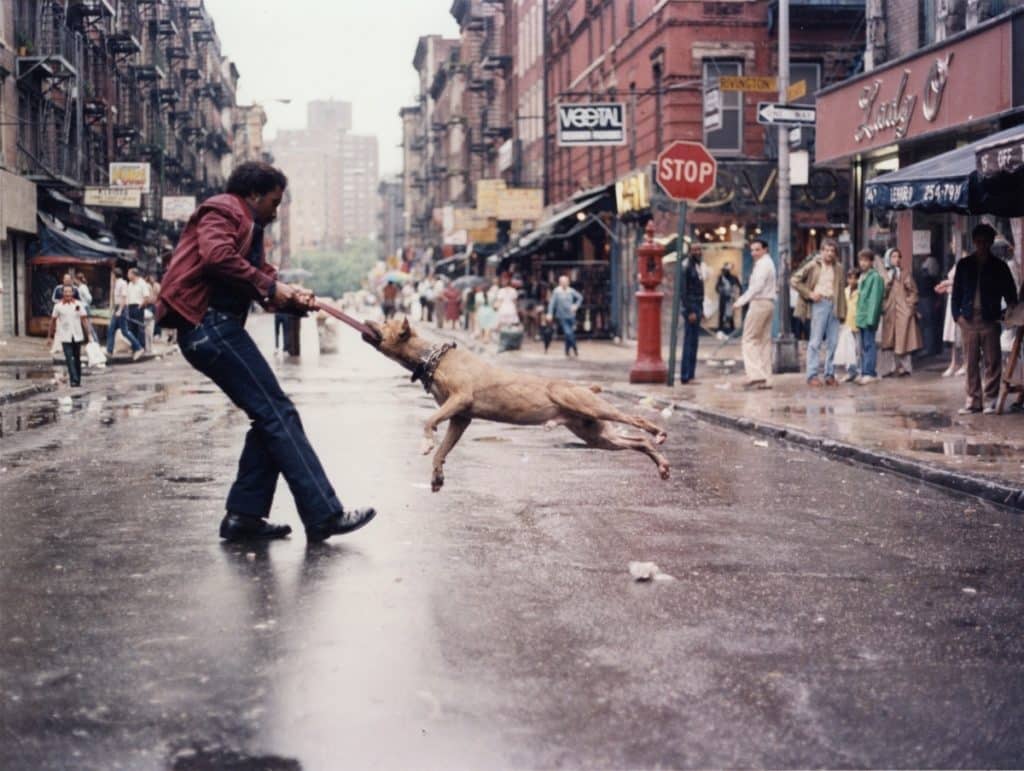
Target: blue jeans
x=222, y=350
x=569, y=330
x=119, y=322
x=73, y=358
x=688, y=363
x=280, y=331
x=868, y=351
x=824, y=328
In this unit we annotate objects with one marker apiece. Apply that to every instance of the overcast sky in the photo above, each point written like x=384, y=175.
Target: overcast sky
x=353, y=50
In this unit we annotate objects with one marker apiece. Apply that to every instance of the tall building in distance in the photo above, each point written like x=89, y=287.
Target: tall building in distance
x=333, y=177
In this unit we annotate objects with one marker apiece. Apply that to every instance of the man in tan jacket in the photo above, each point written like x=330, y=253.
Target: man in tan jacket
x=820, y=282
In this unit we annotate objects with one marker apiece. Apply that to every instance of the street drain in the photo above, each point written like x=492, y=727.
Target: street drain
x=190, y=479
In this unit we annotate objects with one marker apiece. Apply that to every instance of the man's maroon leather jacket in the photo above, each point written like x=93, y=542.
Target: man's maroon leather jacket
x=214, y=245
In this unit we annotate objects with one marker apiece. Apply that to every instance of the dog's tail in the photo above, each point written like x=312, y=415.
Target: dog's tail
x=595, y=389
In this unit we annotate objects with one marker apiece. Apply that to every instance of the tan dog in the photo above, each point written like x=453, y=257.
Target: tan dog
x=466, y=387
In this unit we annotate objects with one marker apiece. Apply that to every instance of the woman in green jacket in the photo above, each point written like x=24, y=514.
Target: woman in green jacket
x=870, y=295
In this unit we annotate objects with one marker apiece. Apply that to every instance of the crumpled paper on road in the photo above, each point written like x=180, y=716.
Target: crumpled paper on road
x=647, y=571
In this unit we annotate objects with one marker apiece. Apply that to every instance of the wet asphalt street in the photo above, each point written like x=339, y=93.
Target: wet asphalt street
x=822, y=614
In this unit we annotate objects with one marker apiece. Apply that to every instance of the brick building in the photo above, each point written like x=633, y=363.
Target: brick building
x=941, y=76
x=390, y=219
x=332, y=176
x=435, y=158
x=521, y=158
x=658, y=59
x=458, y=137
x=87, y=84
x=487, y=112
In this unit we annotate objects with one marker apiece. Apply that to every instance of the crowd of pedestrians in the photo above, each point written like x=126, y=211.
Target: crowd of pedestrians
x=483, y=307
x=72, y=328
x=865, y=321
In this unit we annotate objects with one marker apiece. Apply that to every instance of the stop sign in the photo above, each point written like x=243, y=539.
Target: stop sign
x=686, y=170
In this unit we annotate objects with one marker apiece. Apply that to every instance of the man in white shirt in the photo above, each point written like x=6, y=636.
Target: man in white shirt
x=757, y=327
x=118, y=317
x=137, y=296
x=69, y=322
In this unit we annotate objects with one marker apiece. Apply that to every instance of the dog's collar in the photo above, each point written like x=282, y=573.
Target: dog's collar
x=424, y=371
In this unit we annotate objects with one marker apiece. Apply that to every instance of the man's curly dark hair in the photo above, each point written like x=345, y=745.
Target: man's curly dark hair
x=255, y=177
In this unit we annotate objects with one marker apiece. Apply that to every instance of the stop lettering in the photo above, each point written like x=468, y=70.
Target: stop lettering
x=686, y=171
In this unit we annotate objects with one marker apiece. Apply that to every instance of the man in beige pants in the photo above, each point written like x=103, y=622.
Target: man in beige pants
x=757, y=327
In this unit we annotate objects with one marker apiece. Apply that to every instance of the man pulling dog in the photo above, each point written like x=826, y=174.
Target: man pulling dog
x=217, y=270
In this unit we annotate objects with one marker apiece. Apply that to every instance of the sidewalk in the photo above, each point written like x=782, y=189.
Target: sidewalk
x=27, y=368
x=905, y=425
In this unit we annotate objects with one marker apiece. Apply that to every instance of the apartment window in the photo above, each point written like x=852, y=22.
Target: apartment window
x=631, y=13
x=926, y=23
x=729, y=138
x=809, y=72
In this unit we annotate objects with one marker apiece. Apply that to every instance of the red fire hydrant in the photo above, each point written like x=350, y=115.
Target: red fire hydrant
x=649, y=367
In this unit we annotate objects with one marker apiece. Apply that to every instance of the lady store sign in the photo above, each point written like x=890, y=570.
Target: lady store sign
x=881, y=115
x=918, y=96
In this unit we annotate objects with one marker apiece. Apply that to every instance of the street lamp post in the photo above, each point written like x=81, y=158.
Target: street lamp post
x=787, y=357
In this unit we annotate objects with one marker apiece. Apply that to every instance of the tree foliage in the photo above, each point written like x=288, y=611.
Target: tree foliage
x=337, y=272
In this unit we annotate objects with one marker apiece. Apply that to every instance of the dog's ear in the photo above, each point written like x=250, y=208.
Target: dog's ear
x=406, y=331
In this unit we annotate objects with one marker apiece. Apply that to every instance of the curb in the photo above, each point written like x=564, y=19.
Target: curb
x=7, y=397
x=111, y=361
x=1002, y=493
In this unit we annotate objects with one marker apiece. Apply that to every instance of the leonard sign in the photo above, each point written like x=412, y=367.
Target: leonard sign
x=686, y=171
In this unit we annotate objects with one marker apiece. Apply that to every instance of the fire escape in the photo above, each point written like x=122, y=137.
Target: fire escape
x=180, y=158
x=94, y=20
x=479, y=88
x=49, y=71
x=213, y=141
x=494, y=67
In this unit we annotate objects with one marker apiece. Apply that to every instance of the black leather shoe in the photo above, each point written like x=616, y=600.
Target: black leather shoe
x=340, y=523
x=237, y=527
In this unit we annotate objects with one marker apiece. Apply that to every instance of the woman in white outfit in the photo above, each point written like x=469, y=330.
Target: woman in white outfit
x=508, y=306
x=950, y=329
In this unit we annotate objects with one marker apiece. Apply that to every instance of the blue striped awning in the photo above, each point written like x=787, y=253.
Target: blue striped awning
x=947, y=182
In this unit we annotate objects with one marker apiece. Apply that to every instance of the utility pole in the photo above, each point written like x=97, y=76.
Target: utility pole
x=787, y=356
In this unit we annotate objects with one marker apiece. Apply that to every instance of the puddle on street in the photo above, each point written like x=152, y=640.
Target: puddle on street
x=931, y=420
x=38, y=413
x=925, y=421
x=960, y=447
x=27, y=373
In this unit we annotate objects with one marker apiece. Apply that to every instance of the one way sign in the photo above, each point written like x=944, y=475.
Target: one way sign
x=774, y=114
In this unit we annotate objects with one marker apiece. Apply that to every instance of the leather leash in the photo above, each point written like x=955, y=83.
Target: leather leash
x=345, y=318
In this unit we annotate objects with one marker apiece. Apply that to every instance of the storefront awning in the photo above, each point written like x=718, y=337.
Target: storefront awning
x=56, y=238
x=947, y=182
x=548, y=227
x=449, y=264
x=1001, y=156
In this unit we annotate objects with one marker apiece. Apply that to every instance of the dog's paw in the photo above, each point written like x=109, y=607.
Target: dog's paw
x=436, y=483
x=664, y=470
x=427, y=446
x=551, y=425
x=660, y=437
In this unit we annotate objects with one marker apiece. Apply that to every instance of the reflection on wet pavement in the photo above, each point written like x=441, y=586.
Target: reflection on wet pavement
x=960, y=446
x=101, y=404
x=493, y=625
